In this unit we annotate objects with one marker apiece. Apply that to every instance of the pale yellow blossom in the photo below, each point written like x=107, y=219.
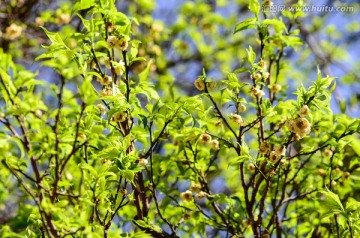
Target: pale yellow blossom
x=187, y=195
x=215, y=144
x=199, y=84
x=237, y=119
x=205, y=138
x=13, y=31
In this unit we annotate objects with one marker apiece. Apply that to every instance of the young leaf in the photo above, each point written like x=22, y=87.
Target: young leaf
x=331, y=204
x=254, y=6
x=247, y=24
x=278, y=25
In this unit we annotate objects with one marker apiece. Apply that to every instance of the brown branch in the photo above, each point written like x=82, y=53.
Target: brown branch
x=217, y=110
x=302, y=195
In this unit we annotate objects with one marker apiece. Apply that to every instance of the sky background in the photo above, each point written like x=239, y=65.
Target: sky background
x=167, y=11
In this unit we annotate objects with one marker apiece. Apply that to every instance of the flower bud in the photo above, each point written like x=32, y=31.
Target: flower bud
x=199, y=84
x=211, y=85
x=106, y=92
x=63, y=19
x=153, y=68
x=201, y=195
x=120, y=116
x=266, y=75
x=257, y=93
x=273, y=156
x=272, y=173
x=268, y=3
x=290, y=125
x=143, y=162
x=119, y=67
x=123, y=191
x=38, y=113
x=250, y=167
x=105, y=161
x=205, y=138
x=195, y=188
x=328, y=153
x=187, y=216
x=101, y=108
x=158, y=27
x=322, y=172
x=39, y=21
x=304, y=111
x=237, y=119
x=112, y=41
x=106, y=80
x=187, y=195
x=300, y=126
x=282, y=162
x=262, y=64
x=346, y=175
x=241, y=108
x=122, y=44
x=13, y=31
x=246, y=223
x=215, y=144
x=280, y=150
x=264, y=147
x=276, y=88
x=110, y=27
x=92, y=64
x=108, y=63
x=218, y=123
x=150, y=186
x=256, y=76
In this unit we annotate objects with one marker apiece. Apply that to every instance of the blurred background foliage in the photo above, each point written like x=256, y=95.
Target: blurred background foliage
x=182, y=38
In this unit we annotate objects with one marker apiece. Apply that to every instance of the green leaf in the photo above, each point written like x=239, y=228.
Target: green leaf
x=5, y=77
x=331, y=204
x=138, y=59
x=101, y=44
x=352, y=206
x=19, y=145
x=241, y=70
x=278, y=25
x=333, y=87
x=239, y=159
x=251, y=55
x=128, y=174
x=143, y=76
x=247, y=24
x=85, y=22
x=143, y=224
x=88, y=92
x=143, y=120
x=89, y=168
x=204, y=73
x=254, y=6
x=325, y=82
x=83, y=4
x=245, y=150
x=54, y=37
x=95, y=74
